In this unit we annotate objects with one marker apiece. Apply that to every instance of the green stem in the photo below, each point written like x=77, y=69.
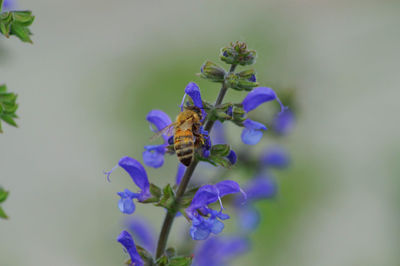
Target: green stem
x=169, y=218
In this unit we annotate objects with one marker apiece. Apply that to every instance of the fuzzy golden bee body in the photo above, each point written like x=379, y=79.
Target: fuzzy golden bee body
x=186, y=132
x=187, y=127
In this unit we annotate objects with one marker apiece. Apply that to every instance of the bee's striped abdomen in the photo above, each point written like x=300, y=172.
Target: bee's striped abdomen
x=184, y=146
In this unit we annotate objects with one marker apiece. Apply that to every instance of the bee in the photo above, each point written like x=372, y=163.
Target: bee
x=186, y=132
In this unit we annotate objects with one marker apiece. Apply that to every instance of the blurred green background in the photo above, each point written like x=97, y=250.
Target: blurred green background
x=97, y=67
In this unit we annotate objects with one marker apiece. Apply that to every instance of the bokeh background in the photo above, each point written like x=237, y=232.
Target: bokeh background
x=97, y=67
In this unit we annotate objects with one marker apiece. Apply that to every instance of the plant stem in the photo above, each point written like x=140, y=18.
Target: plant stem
x=169, y=218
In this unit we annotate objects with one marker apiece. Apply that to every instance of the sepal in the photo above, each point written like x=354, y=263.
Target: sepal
x=221, y=150
x=212, y=72
x=239, y=83
x=146, y=256
x=156, y=194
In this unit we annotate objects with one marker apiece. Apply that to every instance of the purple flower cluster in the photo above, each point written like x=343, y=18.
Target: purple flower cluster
x=204, y=219
x=199, y=204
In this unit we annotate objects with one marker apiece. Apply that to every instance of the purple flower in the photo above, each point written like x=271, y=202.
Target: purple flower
x=204, y=219
x=248, y=218
x=153, y=155
x=219, y=251
x=259, y=96
x=179, y=173
x=206, y=146
x=218, y=133
x=127, y=242
x=284, y=122
x=143, y=233
x=260, y=187
x=194, y=92
x=276, y=157
x=139, y=177
x=9, y=5
x=252, y=133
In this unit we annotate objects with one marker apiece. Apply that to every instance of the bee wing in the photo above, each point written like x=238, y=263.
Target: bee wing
x=168, y=130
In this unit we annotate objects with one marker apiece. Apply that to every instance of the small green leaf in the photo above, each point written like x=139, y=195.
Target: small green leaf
x=162, y=261
x=168, y=199
x=3, y=214
x=3, y=195
x=180, y=261
x=8, y=106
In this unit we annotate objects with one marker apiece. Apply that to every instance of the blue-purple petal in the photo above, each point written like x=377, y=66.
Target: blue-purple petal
x=127, y=242
x=206, y=194
x=252, y=133
x=136, y=171
x=248, y=218
x=227, y=187
x=218, y=133
x=159, y=119
x=219, y=251
x=261, y=187
x=216, y=226
x=284, y=122
x=232, y=157
x=276, y=157
x=259, y=96
x=143, y=232
x=125, y=204
x=153, y=155
x=8, y=5
x=194, y=92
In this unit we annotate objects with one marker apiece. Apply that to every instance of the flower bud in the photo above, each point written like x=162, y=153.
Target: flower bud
x=238, y=54
x=220, y=150
x=244, y=82
x=238, y=114
x=212, y=71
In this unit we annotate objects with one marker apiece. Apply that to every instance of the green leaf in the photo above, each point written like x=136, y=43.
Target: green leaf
x=180, y=261
x=8, y=106
x=3, y=214
x=168, y=199
x=17, y=23
x=3, y=194
x=162, y=261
